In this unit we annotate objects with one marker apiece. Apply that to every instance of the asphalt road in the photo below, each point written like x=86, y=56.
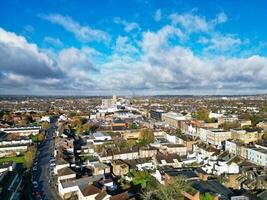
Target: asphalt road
x=45, y=186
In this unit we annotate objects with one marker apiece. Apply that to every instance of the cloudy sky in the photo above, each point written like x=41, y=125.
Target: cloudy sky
x=130, y=47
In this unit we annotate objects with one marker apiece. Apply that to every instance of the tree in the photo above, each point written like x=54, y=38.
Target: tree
x=172, y=190
x=207, y=196
x=45, y=126
x=203, y=114
x=41, y=137
x=230, y=125
x=146, y=137
x=144, y=179
x=29, y=157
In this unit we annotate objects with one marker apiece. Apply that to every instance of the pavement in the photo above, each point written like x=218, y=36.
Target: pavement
x=45, y=185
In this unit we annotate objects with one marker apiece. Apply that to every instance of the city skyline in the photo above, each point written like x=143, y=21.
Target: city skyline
x=134, y=47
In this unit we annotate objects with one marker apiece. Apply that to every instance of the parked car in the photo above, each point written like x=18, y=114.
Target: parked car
x=35, y=184
x=34, y=168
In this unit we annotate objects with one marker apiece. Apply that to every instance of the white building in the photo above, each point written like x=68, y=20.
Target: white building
x=258, y=155
x=99, y=136
x=22, y=131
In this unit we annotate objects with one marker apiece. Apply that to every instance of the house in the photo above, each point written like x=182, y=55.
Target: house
x=125, y=154
x=253, y=178
x=22, y=131
x=246, y=136
x=237, y=148
x=119, y=168
x=100, y=169
x=89, y=192
x=141, y=164
x=69, y=187
x=179, y=149
x=65, y=173
x=189, y=175
x=173, y=160
x=258, y=155
x=186, y=140
x=147, y=152
x=60, y=164
x=204, y=152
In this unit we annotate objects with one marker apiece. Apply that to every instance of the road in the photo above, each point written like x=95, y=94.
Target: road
x=46, y=188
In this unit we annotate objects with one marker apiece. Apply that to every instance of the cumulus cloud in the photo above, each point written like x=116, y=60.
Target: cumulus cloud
x=82, y=33
x=17, y=56
x=128, y=26
x=193, y=23
x=162, y=59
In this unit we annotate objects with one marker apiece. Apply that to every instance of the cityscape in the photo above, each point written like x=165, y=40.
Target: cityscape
x=133, y=100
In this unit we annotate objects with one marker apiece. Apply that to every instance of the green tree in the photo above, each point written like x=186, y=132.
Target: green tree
x=207, y=196
x=203, y=114
x=172, y=190
x=146, y=137
x=29, y=157
x=144, y=179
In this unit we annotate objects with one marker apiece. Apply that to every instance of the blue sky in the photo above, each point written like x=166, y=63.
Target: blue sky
x=134, y=46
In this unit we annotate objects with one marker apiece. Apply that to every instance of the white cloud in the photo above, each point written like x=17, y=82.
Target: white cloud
x=221, y=18
x=128, y=26
x=53, y=41
x=18, y=56
x=82, y=33
x=190, y=22
x=157, y=16
x=123, y=46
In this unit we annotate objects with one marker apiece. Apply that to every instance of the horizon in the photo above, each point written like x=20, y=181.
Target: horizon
x=133, y=48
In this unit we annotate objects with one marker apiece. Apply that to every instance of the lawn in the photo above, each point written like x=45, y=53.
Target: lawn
x=17, y=159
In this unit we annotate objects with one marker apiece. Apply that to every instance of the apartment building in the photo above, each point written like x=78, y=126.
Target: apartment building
x=216, y=137
x=22, y=131
x=258, y=155
x=237, y=148
x=172, y=119
x=246, y=136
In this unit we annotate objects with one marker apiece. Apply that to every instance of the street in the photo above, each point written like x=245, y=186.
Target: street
x=45, y=187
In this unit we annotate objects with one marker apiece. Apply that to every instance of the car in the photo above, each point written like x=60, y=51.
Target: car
x=52, y=164
x=34, y=168
x=35, y=184
x=37, y=194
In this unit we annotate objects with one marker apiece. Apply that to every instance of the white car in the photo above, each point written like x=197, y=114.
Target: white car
x=35, y=184
x=34, y=168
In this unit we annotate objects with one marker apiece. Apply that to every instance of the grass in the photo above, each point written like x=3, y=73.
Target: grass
x=17, y=159
x=35, y=138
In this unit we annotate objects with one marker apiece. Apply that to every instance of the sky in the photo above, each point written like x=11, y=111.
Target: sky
x=133, y=47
